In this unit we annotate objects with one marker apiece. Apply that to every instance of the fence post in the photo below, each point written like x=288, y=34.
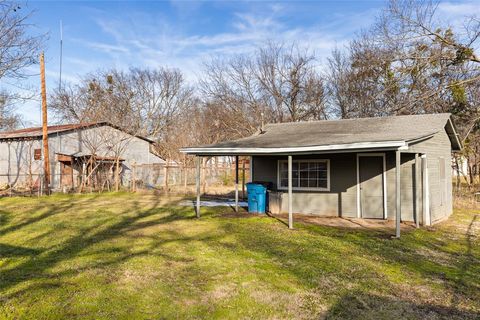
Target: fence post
x=134, y=178
x=236, y=183
x=165, y=174
x=185, y=178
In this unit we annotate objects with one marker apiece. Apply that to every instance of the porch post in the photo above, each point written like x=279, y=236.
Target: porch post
x=426, y=191
x=290, y=204
x=236, y=183
x=250, y=170
x=243, y=179
x=417, y=190
x=398, y=211
x=197, y=180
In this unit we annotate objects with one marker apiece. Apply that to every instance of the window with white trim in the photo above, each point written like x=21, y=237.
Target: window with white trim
x=306, y=174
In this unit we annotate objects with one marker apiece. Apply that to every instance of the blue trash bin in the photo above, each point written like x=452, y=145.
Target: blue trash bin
x=257, y=197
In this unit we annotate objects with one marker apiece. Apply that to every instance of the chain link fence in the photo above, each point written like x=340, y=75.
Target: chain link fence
x=182, y=179
x=216, y=179
x=21, y=184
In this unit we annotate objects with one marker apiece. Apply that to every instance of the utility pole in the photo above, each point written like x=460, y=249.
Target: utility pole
x=46, y=158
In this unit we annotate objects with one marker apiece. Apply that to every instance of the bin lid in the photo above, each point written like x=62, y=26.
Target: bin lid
x=254, y=186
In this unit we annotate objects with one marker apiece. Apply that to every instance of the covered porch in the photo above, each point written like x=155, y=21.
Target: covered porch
x=356, y=184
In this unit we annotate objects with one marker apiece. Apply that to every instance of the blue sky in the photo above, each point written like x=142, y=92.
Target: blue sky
x=183, y=34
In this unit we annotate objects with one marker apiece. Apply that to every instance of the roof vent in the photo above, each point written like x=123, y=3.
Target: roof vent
x=262, y=127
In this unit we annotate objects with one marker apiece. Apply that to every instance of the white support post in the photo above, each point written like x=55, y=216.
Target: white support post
x=398, y=213
x=197, y=180
x=290, y=204
x=426, y=192
x=236, y=184
x=243, y=179
x=417, y=190
x=250, y=175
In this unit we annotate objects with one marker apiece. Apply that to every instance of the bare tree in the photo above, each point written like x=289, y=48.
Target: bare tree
x=411, y=62
x=407, y=62
x=356, y=82
x=434, y=61
x=101, y=96
x=279, y=82
x=8, y=119
x=140, y=101
x=289, y=83
x=18, y=50
x=160, y=96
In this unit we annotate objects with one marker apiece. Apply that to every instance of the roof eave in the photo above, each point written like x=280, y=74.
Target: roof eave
x=457, y=144
x=35, y=136
x=293, y=150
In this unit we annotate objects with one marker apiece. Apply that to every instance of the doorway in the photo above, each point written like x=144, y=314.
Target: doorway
x=371, y=186
x=66, y=174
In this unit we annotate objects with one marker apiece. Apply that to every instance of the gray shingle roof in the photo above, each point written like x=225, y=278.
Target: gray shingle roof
x=341, y=132
x=37, y=132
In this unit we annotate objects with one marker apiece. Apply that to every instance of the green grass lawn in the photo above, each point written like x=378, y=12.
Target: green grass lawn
x=118, y=256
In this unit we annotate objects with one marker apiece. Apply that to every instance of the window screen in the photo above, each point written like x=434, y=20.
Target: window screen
x=306, y=174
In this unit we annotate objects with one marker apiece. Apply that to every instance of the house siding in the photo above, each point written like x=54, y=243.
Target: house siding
x=407, y=186
x=437, y=148
x=17, y=156
x=341, y=200
x=16, y=160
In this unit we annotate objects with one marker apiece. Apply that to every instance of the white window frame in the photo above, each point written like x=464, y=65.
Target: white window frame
x=327, y=161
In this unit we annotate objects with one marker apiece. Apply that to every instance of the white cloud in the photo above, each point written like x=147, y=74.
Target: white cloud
x=108, y=48
x=149, y=41
x=249, y=21
x=459, y=8
x=456, y=14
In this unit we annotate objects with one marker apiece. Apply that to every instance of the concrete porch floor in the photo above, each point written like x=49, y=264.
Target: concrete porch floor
x=350, y=223
x=337, y=222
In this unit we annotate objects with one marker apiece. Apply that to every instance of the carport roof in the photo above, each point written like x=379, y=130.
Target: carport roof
x=330, y=135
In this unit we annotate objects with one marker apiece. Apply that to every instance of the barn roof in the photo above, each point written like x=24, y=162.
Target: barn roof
x=36, y=132
x=352, y=134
